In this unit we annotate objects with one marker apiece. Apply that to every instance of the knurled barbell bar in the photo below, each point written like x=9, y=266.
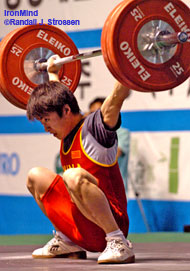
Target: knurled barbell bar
x=161, y=41
x=146, y=49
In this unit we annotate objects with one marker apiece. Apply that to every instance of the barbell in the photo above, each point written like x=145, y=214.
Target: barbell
x=144, y=43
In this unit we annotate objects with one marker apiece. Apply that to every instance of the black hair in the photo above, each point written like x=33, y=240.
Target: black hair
x=97, y=100
x=50, y=97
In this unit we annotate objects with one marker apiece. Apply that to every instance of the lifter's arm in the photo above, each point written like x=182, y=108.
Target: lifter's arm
x=112, y=105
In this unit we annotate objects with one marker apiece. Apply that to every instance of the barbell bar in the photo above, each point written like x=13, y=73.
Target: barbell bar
x=161, y=40
x=43, y=65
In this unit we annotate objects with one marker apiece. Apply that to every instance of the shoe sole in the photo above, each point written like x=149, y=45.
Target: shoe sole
x=72, y=255
x=128, y=260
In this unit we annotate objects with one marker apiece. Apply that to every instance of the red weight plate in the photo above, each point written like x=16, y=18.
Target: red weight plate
x=4, y=92
x=106, y=49
x=123, y=38
x=114, y=63
x=105, y=45
x=23, y=48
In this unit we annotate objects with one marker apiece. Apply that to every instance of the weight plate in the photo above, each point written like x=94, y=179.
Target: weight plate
x=23, y=48
x=105, y=45
x=135, y=22
x=106, y=50
x=4, y=92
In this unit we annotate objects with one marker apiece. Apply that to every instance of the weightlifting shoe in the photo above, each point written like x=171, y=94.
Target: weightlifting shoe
x=118, y=250
x=59, y=248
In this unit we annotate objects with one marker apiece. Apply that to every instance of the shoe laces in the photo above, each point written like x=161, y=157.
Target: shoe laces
x=117, y=243
x=114, y=244
x=55, y=240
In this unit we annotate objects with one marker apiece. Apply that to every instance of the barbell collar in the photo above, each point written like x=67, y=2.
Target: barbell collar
x=170, y=39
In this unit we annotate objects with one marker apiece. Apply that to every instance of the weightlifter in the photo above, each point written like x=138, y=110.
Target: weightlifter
x=87, y=205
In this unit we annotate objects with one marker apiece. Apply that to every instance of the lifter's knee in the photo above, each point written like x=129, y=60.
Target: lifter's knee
x=72, y=178
x=32, y=178
x=75, y=178
x=39, y=179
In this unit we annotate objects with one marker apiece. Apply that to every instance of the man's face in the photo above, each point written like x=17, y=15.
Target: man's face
x=54, y=124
